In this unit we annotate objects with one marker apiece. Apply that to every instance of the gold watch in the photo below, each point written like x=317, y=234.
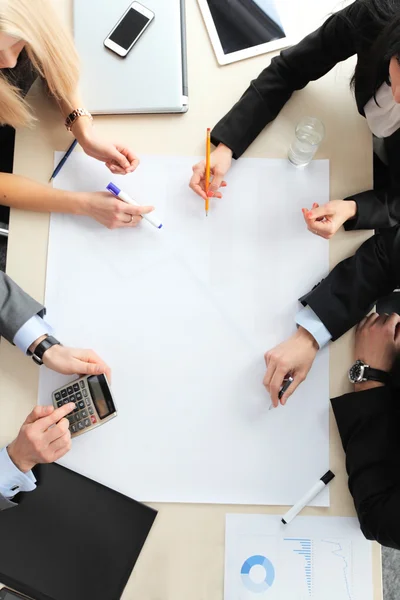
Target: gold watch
x=78, y=112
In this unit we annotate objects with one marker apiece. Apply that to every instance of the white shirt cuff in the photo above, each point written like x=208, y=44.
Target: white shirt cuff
x=31, y=331
x=307, y=318
x=12, y=480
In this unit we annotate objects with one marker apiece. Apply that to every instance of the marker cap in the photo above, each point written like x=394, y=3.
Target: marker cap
x=327, y=477
x=113, y=188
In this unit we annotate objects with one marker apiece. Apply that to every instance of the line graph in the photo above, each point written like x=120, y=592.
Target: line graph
x=339, y=553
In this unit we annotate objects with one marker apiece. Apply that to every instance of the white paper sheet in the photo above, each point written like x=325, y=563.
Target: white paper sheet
x=184, y=315
x=321, y=558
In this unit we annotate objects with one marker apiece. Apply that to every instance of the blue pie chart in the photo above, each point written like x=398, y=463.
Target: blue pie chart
x=257, y=587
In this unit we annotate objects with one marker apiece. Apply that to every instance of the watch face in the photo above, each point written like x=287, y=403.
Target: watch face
x=356, y=372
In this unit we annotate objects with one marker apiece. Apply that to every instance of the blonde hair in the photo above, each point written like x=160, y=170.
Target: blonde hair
x=50, y=49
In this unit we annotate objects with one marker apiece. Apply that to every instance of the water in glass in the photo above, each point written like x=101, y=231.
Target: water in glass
x=309, y=135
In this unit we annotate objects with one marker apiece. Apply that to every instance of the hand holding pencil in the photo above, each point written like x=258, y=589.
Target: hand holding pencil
x=220, y=162
x=207, y=181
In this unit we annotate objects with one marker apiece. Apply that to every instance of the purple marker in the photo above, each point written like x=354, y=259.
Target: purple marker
x=151, y=217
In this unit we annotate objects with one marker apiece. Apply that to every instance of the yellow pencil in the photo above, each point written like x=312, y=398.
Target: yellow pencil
x=208, y=150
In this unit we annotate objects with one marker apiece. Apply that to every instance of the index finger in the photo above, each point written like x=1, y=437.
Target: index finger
x=56, y=416
x=276, y=384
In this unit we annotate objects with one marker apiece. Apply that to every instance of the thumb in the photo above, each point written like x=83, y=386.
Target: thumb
x=87, y=368
x=144, y=210
x=135, y=209
x=120, y=159
x=321, y=211
x=38, y=413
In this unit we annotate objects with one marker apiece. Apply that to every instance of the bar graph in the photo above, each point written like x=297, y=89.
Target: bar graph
x=312, y=558
x=304, y=548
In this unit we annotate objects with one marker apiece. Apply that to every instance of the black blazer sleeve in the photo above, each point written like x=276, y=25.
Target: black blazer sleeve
x=380, y=209
x=350, y=290
x=369, y=426
x=309, y=60
x=376, y=209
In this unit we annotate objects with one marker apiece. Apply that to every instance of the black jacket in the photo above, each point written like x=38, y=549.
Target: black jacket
x=352, y=288
x=369, y=426
x=350, y=31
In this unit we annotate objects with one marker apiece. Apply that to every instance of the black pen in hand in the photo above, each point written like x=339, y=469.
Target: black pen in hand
x=285, y=386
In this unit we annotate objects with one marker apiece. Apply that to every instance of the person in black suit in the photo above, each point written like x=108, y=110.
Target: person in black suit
x=336, y=304
x=369, y=421
x=369, y=29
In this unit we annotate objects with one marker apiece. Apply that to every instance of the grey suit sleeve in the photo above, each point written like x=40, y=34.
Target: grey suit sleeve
x=5, y=503
x=16, y=307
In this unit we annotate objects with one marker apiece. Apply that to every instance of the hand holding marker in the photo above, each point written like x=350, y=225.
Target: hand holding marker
x=151, y=217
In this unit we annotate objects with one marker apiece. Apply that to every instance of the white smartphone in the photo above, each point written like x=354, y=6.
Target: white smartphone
x=129, y=29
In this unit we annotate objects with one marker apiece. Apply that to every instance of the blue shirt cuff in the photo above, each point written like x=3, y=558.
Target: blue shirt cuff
x=31, y=331
x=12, y=480
x=307, y=318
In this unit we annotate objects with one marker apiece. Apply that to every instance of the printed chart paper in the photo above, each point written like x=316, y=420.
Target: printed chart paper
x=320, y=558
x=184, y=315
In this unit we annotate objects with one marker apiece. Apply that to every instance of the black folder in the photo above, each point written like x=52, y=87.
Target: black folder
x=71, y=539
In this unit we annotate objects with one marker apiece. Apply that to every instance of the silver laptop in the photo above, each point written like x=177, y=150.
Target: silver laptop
x=152, y=78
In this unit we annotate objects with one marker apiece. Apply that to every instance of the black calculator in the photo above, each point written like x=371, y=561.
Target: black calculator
x=94, y=404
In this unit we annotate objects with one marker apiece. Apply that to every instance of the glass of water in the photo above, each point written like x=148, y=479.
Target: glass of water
x=309, y=134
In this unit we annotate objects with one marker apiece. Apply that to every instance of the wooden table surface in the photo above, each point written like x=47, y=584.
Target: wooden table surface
x=184, y=556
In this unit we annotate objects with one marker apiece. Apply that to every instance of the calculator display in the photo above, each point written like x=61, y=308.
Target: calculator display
x=101, y=396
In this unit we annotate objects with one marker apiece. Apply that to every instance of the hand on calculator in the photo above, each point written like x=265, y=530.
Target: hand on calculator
x=73, y=360
x=43, y=438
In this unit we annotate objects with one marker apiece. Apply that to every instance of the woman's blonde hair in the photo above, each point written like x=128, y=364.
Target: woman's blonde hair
x=50, y=49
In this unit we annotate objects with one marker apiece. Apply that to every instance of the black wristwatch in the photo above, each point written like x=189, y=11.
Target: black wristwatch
x=48, y=342
x=360, y=372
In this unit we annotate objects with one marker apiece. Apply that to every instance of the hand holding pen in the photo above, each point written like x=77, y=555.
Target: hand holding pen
x=293, y=358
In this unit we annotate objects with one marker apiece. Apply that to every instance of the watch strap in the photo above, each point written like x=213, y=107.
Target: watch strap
x=72, y=117
x=376, y=375
x=41, y=348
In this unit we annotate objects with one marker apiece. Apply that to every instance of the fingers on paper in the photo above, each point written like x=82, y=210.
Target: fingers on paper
x=197, y=182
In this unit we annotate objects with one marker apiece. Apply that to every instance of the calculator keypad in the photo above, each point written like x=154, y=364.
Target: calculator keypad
x=84, y=415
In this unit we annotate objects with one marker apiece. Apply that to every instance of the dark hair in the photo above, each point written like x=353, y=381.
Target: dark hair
x=385, y=15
